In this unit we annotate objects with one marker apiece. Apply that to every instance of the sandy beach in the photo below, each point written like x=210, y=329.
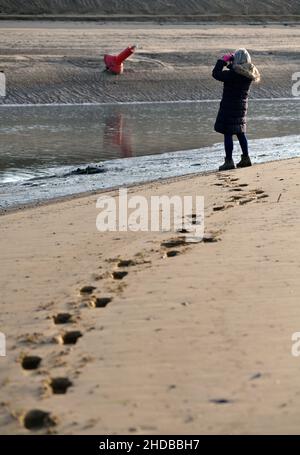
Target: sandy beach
x=192, y=344
x=62, y=62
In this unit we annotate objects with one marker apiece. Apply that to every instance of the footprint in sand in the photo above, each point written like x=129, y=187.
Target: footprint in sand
x=219, y=208
x=236, y=197
x=62, y=318
x=119, y=275
x=258, y=194
x=220, y=401
x=172, y=254
x=262, y=196
x=126, y=263
x=223, y=177
x=30, y=363
x=100, y=302
x=37, y=420
x=33, y=338
x=86, y=290
x=183, y=231
x=245, y=201
x=173, y=243
x=59, y=386
x=69, y=337
x=255, y=376
x=210, y=237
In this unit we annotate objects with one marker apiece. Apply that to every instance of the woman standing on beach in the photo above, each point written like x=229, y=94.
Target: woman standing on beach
x=232, y=116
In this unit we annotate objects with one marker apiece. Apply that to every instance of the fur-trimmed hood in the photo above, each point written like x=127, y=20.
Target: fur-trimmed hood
x=248, y=70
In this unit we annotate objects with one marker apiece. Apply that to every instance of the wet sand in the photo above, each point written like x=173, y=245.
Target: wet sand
x=156, y=8
x=198, y=342
x=62, y=62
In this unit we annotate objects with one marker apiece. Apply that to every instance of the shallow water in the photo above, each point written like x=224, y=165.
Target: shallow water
x=135, y=142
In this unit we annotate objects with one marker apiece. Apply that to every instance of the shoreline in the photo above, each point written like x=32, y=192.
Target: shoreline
x=134, y=186
x=253, y=19
x=129, y=103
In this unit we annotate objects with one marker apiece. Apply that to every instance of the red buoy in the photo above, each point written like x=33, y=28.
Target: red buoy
x=115, y=63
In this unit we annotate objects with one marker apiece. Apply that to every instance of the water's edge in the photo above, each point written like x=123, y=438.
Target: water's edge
x=134, y=143
x=144, y=170
x=103, y=192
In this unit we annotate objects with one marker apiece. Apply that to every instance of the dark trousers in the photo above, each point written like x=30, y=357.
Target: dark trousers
x=228, y=143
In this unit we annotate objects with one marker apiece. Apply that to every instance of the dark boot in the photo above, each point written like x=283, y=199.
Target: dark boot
x=245, y=162
x=228, y=165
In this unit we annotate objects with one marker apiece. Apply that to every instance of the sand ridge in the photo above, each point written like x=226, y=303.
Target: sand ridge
x=155, y=7
x=114, y=341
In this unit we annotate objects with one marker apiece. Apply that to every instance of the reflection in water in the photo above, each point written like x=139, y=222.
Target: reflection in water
x=117, y=133
x=38, y=141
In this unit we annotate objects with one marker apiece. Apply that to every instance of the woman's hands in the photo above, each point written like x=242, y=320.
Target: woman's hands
x=227, y=57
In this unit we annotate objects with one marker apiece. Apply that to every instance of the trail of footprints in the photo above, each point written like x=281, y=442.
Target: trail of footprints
x=37, y=419
x=240, y=194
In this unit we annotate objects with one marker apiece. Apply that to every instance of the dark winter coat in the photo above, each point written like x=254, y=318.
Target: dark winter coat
x=232, y=116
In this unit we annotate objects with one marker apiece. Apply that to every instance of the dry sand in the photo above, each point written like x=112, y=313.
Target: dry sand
x=157, y=8
x=63, y=62
x=197, y=343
